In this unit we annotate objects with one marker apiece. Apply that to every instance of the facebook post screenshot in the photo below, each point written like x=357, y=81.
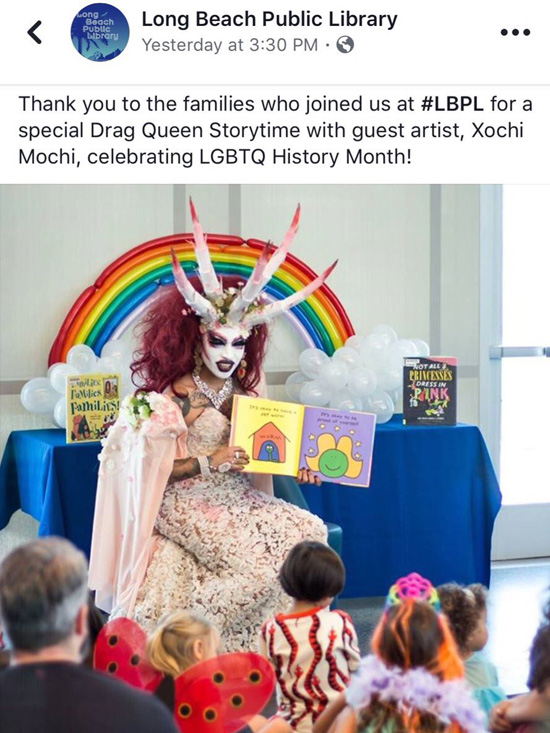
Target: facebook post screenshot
x=274, y=367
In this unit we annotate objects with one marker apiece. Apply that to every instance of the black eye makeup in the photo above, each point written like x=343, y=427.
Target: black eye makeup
x=239, y=343
x=216, y=340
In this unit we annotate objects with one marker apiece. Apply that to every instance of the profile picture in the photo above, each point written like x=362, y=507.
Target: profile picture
x=100, y=32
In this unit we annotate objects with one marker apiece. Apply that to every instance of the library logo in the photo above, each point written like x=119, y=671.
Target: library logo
x=100, y=32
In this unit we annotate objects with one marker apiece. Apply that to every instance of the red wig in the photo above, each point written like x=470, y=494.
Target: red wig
x=169, y=337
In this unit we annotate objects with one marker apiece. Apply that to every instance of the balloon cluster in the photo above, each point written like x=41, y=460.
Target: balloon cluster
x=47, y=395
x=365, y=375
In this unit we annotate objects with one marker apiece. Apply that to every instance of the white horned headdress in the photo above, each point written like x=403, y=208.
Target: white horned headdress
x=243, y=306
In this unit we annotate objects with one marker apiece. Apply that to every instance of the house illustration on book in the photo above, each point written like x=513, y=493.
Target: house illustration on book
x=269, y=444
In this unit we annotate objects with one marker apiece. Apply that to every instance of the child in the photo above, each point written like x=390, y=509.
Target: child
x=412, y=682
x=181, y=640
x=313, y=650
x=530, y=711
x=466, y=611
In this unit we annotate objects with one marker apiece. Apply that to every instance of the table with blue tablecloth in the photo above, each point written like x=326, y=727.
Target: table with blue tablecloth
x=430, y=507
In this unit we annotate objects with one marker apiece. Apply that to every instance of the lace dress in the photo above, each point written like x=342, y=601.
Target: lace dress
x=220, y=546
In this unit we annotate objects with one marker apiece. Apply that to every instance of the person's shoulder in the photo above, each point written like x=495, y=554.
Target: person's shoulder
x=345, y=617
x=143, y=708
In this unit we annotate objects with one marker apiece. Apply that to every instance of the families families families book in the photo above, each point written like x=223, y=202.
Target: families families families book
x=282, y=437
x=429, y=391
x=92, y=406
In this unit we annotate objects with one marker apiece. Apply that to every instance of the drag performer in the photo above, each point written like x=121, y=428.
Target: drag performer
x=178, y=525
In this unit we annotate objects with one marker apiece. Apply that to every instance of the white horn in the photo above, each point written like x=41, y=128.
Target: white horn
x=263, y=272
x=194, y=300
x=207, y=274
x=263, y=315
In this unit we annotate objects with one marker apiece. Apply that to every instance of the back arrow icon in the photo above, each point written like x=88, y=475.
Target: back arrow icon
x=32, y=34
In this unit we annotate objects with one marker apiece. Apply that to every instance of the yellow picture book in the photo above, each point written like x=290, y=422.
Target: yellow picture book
x=93, y=403
x=282, y=437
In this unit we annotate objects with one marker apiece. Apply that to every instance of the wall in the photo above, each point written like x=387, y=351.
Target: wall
x=409, y=256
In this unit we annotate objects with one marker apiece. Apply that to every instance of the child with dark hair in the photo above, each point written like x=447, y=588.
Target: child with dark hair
x=313, y=650
x=466, y=611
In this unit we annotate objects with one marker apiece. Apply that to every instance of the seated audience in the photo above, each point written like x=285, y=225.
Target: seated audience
x=44, y=617
x=413, y=681
x=466, y=611
x=313, y=650
x=181, y=640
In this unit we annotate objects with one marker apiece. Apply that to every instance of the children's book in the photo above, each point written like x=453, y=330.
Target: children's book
x=282, y=437
x=429, y=390
x=92, y=406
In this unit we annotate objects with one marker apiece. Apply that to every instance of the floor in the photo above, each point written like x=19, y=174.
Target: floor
x=518, y=591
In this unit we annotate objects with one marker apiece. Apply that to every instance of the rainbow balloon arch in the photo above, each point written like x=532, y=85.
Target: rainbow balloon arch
x=128, y=286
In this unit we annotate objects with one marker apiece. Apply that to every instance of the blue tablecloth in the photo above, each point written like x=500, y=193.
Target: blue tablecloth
x=52, y=481
x=430, y=508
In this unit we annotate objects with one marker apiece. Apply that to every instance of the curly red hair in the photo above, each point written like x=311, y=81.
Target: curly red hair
x=169, y=337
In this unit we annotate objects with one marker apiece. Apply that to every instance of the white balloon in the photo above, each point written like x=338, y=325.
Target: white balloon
x=391, y=378
x=395, y=394
x=362, y=382
x=374, y=351
x=52, y=367
x=60, y=413
x=315, y=394
x=400, y=350
x=118, y=350
x=344, y=399
x=294, y=384
x=39, y=396
x=311, y=361
x=355, y=342
x=58, y=376
x=348, y=356
x=381, y=404
x=109, y=365
x=386, y=333
x=82, y=358
x=422, y=347
x=334, y=375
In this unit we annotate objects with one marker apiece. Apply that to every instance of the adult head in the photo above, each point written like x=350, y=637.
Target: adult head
x=43, y=600
x=224, y=323
x=171, y=342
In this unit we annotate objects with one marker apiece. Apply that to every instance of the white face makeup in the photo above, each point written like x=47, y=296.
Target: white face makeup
x=223, y=349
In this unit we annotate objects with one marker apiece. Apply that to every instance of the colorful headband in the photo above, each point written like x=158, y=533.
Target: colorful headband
x=239, y=306
x=415, y=587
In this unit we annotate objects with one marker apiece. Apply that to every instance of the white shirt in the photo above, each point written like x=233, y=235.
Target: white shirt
x=313, y=654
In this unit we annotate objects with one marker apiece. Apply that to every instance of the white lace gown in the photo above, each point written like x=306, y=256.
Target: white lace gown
x=220, y=546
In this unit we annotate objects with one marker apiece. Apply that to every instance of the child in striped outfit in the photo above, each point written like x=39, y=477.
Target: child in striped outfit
x=313, y=650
